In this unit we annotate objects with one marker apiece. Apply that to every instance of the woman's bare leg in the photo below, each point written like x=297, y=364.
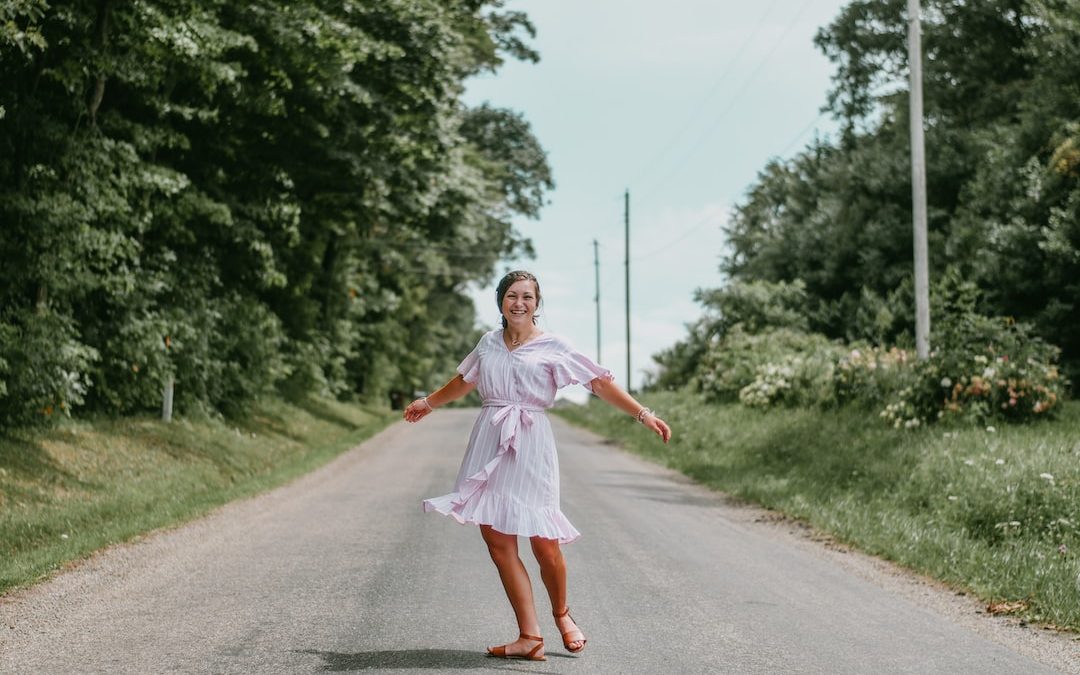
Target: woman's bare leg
x=503, y=549
x=553, y=572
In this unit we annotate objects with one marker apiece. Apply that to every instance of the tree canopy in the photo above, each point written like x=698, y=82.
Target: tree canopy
x=1002, y=119
x=250, y=198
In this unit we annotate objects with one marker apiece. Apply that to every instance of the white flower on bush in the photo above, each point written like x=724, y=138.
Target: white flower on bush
x=946, y=383
x=770, y=383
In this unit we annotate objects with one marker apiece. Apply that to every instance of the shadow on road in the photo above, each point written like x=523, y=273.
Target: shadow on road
x=335, y=662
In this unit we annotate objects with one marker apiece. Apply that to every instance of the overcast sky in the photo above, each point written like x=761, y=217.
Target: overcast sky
x=682, y=103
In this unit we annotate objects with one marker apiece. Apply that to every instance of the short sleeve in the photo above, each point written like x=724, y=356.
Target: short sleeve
x=573, y=367
x=469, y=368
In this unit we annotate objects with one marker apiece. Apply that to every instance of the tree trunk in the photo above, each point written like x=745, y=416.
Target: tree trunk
x=101, y=33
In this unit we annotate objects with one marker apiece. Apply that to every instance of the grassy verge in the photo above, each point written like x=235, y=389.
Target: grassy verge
x=68, y=492
x=993, y=511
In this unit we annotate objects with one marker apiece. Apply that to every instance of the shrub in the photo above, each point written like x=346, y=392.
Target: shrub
x=797, y=380
x=226, y=353
x=748, y=306
x=43, y=368
x=134, y=360
x=742, y=359
x=249, y=342
x=870, y=376
x=982, y=369
x=222, y=353
x=990, y=368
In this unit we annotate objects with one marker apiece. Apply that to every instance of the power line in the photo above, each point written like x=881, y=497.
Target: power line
x=655, y=252
x=696, y=146
x=699, y=109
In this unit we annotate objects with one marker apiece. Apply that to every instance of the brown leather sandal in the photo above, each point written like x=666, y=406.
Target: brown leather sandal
x=566, y=643
x=500, y=651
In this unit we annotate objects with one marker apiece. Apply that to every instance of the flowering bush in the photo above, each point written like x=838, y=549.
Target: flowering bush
x=981, y=369
x=871, y=375
x=742, y=360
x=992, y=368
x=797, y=379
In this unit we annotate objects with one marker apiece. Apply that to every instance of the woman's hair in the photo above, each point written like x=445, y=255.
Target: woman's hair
x=508, y=281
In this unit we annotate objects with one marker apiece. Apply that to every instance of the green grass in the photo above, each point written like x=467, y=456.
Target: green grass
x=70, y=491
x=968, y=506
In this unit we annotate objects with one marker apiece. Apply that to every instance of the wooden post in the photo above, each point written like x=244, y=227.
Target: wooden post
x=166, y=405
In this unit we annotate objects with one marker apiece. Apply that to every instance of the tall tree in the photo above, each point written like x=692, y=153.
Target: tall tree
x=1001, y=120
x=274, y=194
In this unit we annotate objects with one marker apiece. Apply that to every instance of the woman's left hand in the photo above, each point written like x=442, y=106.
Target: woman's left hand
x=417, y=410
x=658, y=425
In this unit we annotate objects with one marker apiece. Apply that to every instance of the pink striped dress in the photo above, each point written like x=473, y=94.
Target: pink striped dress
x=509, y=478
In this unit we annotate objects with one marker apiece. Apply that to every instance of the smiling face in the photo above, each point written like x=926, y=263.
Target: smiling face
x=519, y=304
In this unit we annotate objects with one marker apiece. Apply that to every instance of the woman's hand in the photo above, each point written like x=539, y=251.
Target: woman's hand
x=658, y=425
x=607, y=390
x=416, y=410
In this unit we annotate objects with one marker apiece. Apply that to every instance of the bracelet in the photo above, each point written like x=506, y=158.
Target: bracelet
x=428, y=404
x=642, y=413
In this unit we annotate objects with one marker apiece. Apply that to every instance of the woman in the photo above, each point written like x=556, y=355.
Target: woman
x=508, y=483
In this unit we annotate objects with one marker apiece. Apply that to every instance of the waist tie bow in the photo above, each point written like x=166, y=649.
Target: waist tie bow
x=510, y=419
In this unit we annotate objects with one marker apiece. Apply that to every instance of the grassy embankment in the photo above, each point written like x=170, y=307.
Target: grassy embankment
x=993, y=511
x=70, y=491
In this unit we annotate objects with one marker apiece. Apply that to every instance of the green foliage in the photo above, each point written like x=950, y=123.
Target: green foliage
x=801, y=379
x=44, y=368
x=748, y=307
x=777, y=366
x=869, y=376
x=1003, y=173
x=994, y=512
x=282, y=196
x=757, y=305
x=992, y=368
x=752, y=346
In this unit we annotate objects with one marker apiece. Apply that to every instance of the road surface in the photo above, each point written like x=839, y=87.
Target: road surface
x=340, y=571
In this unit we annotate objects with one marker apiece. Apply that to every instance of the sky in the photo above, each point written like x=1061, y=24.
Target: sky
x=681, y=103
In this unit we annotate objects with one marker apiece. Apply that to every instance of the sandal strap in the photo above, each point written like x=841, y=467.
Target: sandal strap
x=532, y=637
x=538, y=647
x=566, y=612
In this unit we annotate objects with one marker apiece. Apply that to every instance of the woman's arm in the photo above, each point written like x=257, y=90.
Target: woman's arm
x=451, y=391
x=610, y=392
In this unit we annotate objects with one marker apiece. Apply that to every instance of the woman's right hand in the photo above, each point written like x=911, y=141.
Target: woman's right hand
x=416, y=410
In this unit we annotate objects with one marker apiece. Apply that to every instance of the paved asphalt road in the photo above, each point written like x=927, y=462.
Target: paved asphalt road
x=341, y=571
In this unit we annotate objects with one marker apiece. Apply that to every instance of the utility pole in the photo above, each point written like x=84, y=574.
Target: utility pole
x=918, y=184
x=596, y=266
x=626, y=212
